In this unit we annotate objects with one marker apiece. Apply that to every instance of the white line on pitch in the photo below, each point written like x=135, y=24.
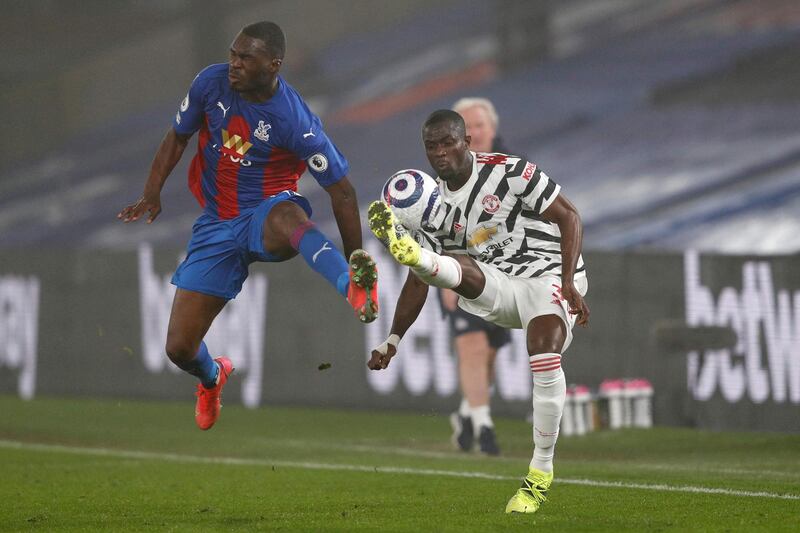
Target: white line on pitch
x=430, y=454
x=179, y=458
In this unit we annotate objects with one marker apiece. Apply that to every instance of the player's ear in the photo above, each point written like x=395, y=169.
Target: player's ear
x=276, y=64
x=468, y=140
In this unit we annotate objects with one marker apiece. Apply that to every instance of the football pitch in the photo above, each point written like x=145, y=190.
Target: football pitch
x=108, y=465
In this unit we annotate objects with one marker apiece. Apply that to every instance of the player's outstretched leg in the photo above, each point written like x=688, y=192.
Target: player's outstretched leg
x=362, y=292
x=432, y=268
x=209, y=400
x=356, y=280
x=392, y=234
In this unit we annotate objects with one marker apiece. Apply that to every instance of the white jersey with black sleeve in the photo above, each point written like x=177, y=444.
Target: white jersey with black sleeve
x=496, y=218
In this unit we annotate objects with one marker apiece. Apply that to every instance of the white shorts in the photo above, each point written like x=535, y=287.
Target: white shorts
x=512, y=302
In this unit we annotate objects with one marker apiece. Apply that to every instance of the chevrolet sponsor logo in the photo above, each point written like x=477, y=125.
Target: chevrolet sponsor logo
x=481, y=235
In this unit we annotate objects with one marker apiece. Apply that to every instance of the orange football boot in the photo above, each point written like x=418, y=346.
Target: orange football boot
x=206, y=410
x=362, y=293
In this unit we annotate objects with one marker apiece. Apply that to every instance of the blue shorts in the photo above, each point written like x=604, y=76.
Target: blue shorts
x=220, y=251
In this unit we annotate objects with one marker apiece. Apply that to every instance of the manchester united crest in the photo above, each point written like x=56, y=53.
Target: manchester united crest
x=491, y=203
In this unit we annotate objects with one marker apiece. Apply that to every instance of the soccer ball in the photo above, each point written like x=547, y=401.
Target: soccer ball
x=413, y=197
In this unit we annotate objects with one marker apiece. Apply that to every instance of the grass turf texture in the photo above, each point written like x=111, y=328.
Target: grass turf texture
x=114, y=466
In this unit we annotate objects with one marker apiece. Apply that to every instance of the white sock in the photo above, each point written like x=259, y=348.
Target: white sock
x=549, y=394
x=481, y=417
x=463, y=408
x=438, y=270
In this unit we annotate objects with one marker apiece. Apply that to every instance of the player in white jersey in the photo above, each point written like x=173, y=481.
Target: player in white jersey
x=509, y=245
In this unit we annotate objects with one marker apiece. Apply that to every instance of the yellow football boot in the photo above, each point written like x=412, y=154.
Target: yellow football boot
x=532, y=494
x=393, y=234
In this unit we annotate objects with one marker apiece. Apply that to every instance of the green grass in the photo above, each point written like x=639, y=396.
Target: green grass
x=82, y=469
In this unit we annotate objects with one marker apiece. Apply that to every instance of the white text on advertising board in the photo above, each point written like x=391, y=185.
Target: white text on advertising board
x=765, y=363
x=19, y=329
x=425, y=361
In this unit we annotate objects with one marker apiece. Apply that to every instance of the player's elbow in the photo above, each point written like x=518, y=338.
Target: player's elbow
x=568, y=218
x=342, y=192
x=181, y=139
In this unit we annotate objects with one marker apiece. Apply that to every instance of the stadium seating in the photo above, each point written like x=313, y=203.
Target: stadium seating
x=643, y=170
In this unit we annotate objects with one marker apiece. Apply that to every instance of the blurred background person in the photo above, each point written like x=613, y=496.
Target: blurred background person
x=482, y=122
x=476, y=341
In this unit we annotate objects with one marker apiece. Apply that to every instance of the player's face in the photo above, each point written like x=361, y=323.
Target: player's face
x=479, y=127
x=447, y=151
x=250, y=66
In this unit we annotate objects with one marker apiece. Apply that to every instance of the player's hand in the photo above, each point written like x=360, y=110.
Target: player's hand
x=381, y=356
x=577, y=305
x=148, y=203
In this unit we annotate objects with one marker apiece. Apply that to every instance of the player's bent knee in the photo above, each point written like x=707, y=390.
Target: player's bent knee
x=283, y=221
x=548, y=345
x=473, y=280
x=284, y=218
x=546, y=334
x=180, y=350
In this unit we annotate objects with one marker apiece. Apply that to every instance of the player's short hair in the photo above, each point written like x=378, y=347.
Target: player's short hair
x=485, y=103
x=270, y=34
x=446, y=116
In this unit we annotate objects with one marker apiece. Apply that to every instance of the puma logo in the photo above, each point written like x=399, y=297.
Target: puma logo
x=309, y=134
x=324, y=247
x=224, y=109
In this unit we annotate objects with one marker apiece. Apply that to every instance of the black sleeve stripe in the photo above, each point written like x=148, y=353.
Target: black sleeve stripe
x=548, y=191
x=532, y=183
x=516, y=171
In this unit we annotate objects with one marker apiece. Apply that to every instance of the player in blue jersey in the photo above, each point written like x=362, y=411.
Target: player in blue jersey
x=256, y=138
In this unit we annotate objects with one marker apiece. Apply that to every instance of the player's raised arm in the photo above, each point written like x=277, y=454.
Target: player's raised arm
x=167, y=156
x=409, y=304
x=345, y=209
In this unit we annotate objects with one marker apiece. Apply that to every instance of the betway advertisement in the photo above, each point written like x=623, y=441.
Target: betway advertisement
x=73, y=323
x=758, y=377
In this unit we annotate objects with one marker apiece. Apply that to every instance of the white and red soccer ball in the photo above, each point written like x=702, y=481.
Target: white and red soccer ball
x=413, y=197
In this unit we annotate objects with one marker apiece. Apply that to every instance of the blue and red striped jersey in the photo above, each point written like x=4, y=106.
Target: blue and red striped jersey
x=249, y=151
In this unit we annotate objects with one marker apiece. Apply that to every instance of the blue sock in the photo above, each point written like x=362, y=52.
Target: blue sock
x=203, y=367
x=321, y=255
